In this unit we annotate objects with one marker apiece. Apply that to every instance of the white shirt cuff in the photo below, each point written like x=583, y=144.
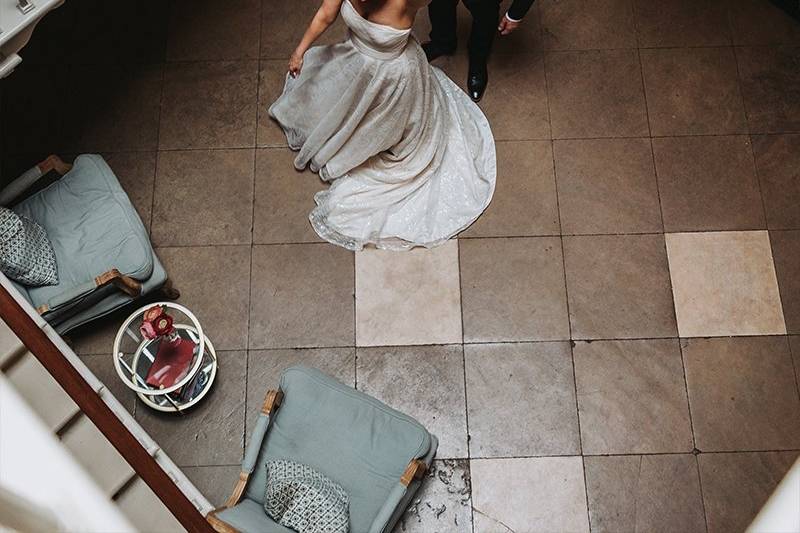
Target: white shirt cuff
x=512, y=20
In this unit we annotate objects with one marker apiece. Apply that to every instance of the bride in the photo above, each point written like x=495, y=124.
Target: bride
x=411, y=158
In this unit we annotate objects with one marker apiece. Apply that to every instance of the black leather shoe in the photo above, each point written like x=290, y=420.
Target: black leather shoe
x=434, y=50
x=477, y=79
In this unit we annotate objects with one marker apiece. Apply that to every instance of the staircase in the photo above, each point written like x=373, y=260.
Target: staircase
x=24, y=377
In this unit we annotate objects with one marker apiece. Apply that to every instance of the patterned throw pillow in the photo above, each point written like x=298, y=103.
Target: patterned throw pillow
x=26, y=254
x=300, y=498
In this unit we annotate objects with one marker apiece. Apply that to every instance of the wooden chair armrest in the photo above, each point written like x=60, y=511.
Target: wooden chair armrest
x=53, y=162
x=17, y=188
x=220, y=526
x=415, y=470
x=238, y=490
x=272, y=401
x=126, y=284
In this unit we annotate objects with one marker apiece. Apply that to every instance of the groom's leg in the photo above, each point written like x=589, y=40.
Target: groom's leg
x=443, y=24
x=485, y=18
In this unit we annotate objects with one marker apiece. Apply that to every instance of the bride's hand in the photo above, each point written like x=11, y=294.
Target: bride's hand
x=295, y=64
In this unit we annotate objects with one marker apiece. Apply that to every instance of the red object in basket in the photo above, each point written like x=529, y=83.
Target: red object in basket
x=155, y=323
x=175, y=354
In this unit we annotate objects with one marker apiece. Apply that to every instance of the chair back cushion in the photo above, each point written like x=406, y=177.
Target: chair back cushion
x=353, y=439
x=26, y=254
x=92, y=226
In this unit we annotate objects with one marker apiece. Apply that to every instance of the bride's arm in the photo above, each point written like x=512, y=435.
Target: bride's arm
x=324, y=17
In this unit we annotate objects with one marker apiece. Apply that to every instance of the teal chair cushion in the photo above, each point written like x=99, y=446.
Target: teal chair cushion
x=350, y=437
x=93, y=228
x=250, y=517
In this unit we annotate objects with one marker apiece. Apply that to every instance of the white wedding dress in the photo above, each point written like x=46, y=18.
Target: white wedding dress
x=411, y=158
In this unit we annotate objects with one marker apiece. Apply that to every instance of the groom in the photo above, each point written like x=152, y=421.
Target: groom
x=485, y=21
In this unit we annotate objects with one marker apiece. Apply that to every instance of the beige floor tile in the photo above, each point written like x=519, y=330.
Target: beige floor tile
x=302, y=296
x=743, y=393
x=777, y=160
x=785, y=251
x=682, y=23
x=769, y=79
x=264, y=368
x=214, y=282
x=212, y=432
x=271, y=78
x=408, y=298
x=209, y=105
x=656, y=493
x=632, y=397
x=516, y=99
x=521, y=400
x=794, y=345
x=283, y=25
x=214, y=482
x=513, y=290
x=607, y=186
x=211, y=30
x=762, y=23
x=596, y=93
x=527, y=37
x=708, y=183
x=618, y=287
x=587, y=24
x=283, y=199
x=425, y=382
x=724, y=283
x=112, y=108
x=443, y=503
x=524, y=202
x=513, y=114
x=692, y=91
x=536, y=494
x=193, y=206
x=737, y=485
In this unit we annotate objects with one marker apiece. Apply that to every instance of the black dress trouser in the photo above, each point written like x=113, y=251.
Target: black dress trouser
x=485, y=18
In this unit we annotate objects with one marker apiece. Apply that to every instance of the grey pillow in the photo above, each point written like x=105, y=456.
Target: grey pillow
x=26, y=254
x=300, y=498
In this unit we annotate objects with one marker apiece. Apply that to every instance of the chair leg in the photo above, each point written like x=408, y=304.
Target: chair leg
x=169, y=291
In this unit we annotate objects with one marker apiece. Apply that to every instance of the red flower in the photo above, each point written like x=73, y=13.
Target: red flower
x=155, y=323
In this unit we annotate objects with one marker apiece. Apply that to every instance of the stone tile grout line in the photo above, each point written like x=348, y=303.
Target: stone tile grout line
x=566, y=291
x=252, y=226
x=466, y=394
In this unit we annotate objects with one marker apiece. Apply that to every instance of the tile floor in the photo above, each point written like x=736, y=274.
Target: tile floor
x=614, y=346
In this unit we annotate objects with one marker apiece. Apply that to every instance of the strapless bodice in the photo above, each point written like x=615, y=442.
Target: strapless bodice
x=373, y=39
